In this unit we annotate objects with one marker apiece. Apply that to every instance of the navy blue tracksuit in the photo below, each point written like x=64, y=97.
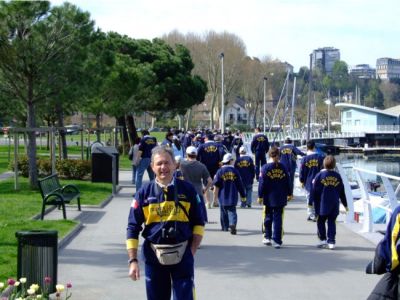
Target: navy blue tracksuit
x=210, y=154
x=229, y=182
x=288, y=157
x=326, y=191
x=245, y=165
x=259, y=147
x=156, y=209
x=274, y=188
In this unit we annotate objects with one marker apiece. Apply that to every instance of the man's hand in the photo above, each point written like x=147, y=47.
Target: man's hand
x=243, y=199
x=290, y=198
x=134, y=271
x=260, y=201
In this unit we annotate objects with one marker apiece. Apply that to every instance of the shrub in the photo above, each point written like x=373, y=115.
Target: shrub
x=44, y=166
x=23, y=166
x=67, y=168
x=73, y=168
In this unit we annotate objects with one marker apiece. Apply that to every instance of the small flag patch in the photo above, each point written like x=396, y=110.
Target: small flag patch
x=135, y=204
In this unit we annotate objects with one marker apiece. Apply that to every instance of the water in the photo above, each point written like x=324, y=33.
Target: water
x=384, y=163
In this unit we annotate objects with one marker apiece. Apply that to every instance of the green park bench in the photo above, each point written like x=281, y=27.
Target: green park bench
x=53, y=193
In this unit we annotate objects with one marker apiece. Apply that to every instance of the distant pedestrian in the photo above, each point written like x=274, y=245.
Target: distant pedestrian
x=310, y=165
x=168, y=139
x=227, y=185
x=326, y=191
x=197, y=174
x=210, y=155
x=245, y=165
x=288, y=157
x=259, y=147
x=133, y=155
x=147, y=143
x=273, y=193
x=237, y=142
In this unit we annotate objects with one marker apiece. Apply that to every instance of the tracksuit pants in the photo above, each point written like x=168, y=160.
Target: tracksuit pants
x=273, y=218
x=322, y=232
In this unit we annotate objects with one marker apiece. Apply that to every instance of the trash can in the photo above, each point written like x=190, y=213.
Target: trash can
x=102, y=164
x=38, y=258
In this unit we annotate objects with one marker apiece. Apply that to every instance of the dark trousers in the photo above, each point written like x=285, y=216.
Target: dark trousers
x=322, y=233
x=260, y=161
x=273, y=216
x=228, y=216
x=180, y=278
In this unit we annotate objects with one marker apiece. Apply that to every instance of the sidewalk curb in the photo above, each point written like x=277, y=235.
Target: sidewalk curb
x=62, y=243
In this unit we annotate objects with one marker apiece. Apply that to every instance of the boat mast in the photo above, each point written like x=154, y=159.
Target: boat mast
x=292, y=115
x=309, y=100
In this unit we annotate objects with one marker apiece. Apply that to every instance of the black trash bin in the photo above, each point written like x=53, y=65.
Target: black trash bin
x=102, y=164
x=38, y=257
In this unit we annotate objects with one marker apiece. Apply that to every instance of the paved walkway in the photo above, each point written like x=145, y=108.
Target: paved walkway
x=227, y=267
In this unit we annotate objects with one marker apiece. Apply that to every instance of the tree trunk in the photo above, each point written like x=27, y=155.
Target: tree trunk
x=121, y=122
x=63, y=139
x=213, y=100
x=131, y=129
x=188, y=119
x=31, y=123
x=98, y=126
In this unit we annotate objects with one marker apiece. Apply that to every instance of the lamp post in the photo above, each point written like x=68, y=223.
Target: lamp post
x=329, y=102
x=265, y=99
x=221, y=56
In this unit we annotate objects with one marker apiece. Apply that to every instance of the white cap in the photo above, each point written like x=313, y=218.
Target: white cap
x=191, y=150
x=227, y=158
x=242, y=149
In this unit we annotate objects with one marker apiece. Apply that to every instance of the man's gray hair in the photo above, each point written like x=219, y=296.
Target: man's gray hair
x=162, y=150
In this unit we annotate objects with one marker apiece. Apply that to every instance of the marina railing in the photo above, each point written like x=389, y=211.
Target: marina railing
x=390, y=195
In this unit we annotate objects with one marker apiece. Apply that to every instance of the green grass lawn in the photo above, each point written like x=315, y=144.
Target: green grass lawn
x=18, y=207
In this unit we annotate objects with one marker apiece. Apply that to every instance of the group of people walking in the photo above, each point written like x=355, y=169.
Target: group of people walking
x=174, y=211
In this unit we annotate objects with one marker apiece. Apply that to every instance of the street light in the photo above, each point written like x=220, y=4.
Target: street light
x=329, y=102
x=221, y=56
x=265, y=96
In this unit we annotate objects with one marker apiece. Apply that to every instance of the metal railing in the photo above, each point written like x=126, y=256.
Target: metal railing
x=390, y=195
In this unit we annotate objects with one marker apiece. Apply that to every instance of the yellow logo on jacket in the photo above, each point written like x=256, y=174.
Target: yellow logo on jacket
x=210, y=149
x=243, y=164
x=228, y=176
x=312, y=163
x=330, y=181
x=276, y=174
x=150, y=141
x=165, y=211
x=286, y=151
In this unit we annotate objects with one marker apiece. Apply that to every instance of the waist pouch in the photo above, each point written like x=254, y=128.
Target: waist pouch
x=169, y=254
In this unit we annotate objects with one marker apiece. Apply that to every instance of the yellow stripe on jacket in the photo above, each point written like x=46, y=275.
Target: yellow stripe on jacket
x=395, y=236
x=165, y=211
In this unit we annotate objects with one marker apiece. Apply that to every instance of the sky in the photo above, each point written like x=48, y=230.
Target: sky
x=288, y=30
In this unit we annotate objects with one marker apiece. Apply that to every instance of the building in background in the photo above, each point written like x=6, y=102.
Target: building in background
x=363, y=71
x=387, y=68
x=324, y=59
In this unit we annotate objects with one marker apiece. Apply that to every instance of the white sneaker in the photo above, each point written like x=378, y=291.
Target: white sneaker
x=322, y=244
x=266, y=242
x=331, y=246
x=276, y=245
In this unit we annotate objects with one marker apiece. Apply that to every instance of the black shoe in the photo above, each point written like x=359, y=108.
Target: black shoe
x=232, y=229
x=249, y=206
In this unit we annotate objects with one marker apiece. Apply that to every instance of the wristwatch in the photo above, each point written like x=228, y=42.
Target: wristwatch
x=132, y=260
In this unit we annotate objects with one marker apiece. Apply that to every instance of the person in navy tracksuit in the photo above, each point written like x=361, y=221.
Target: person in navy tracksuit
x=259, y=147
x=237, y=142
x=227, y=184
x=147, y=143
x=273, y=193
x=288, y=157
x=245, y=165
x=326, y=191
x=210, y=154
x=310, y=165
x=170, y=211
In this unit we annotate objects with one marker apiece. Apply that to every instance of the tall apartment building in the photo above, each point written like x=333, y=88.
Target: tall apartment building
x=325, y=58
x=362, y=71
x=387, y=68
